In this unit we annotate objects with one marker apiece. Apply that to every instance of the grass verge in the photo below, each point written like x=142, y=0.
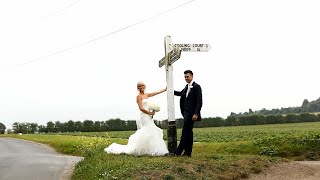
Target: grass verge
x=219, y=153
x=209, y=160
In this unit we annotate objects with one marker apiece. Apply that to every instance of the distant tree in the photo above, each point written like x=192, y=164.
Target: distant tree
x=2, y=128
x=87, y=126
x=245, y=120
x=64, y=127
x=231, y=121
x=258, y=119
x=33, y=128
x=16, y=127
x=264, y=111
x=115, y=124
x=132, y=125
x=307, y=117
x=71, y=126
x=215, y=122
x=97, y=126
x=42, y=129
x=57, y=126
x=292, y=118
x=305, y=103
x=9, y=131
x=50, y=127
x=21, y=127
x=275, y=111
x=78, y=126
x=103, y=126
x=314, y=107
x=271, y=119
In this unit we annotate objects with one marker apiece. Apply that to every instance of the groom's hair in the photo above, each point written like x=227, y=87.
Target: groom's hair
x=188, y=71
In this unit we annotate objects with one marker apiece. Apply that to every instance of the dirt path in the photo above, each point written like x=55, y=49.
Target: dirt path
x=298, y=170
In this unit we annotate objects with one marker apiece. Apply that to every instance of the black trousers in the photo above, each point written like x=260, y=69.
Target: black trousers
x=186, y=141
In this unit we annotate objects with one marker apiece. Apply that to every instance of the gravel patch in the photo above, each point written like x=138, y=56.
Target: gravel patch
x=297, y=170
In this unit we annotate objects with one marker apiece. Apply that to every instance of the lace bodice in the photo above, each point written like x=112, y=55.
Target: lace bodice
x=145, y=103
x=145, y=119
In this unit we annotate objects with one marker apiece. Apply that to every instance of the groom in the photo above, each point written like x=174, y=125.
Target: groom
x=190, y=106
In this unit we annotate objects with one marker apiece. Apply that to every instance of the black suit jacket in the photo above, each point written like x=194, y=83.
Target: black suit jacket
x=193, y=103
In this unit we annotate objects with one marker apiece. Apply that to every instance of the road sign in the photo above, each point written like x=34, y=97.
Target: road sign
x=161, y=62
x=193, y=47
x=174, y=55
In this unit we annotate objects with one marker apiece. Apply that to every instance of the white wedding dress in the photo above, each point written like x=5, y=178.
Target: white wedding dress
x=147, y=140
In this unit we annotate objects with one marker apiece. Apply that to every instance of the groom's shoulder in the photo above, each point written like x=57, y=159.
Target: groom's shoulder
x=196, y=84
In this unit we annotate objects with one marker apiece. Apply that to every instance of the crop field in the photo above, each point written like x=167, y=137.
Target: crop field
x=219, y=153
x=224, y=134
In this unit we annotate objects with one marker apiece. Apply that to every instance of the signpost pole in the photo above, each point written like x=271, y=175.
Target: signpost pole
x=171, y=127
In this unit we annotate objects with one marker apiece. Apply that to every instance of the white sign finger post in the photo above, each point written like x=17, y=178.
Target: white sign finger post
x=172, y=54
x=193, y=47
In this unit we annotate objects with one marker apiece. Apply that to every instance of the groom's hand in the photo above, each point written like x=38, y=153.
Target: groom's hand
x=194, y=117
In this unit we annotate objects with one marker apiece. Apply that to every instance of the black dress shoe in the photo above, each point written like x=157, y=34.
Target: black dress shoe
x=177, y=153
x=186, y=154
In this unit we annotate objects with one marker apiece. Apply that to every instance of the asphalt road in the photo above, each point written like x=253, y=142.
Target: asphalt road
x=25, y=160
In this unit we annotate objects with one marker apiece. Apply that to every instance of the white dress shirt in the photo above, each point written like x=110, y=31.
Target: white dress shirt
x=189, y=88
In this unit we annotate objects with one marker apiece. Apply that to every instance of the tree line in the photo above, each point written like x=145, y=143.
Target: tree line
x=122, y=125
x=306, y=107
x=305, y=113
x=75, y=126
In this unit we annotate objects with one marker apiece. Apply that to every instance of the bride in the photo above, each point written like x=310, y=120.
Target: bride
x=148, y=139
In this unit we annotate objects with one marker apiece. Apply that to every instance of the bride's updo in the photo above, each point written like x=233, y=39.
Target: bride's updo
x=141, y=83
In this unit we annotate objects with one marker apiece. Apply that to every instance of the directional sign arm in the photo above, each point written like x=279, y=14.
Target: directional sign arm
x=162, y=61
x=193, y=47
x=174, y=55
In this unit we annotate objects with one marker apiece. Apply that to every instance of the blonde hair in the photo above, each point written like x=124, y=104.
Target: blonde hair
x=140, y=83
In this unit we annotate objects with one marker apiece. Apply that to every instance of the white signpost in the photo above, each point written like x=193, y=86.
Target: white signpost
x=172, y=54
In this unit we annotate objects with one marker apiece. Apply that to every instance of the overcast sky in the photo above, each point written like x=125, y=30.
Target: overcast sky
x=78, y=59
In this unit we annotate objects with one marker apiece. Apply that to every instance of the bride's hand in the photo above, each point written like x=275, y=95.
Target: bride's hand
x=152, y=113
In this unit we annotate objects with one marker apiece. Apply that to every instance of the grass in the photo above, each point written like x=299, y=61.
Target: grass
x=107, y=166
x=219, y=153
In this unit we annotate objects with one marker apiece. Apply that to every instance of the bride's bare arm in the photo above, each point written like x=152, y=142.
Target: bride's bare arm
x=157, y=92
x=139, y=101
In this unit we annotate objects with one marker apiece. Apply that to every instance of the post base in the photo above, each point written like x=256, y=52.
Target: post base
x=172, y=136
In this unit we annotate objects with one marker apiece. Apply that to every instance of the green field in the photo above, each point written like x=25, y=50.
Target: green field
x=219, y=153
